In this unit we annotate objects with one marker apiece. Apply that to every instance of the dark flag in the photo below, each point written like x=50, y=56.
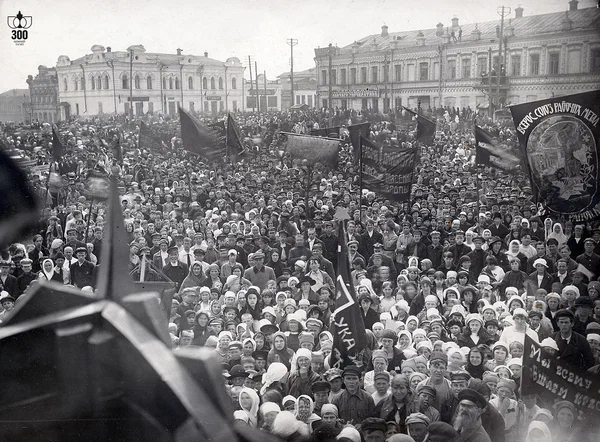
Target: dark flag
x=234, y=142
x=349, y=335
x=19, y=208
x=388, y=170
x=57, y=147
x=491, y=152
x=313, y=149
x=356, y=131
x=198, y=138
x=425, y=129
x=148, y=140
x=553, y=379
x=559, y=139
x=219, y=128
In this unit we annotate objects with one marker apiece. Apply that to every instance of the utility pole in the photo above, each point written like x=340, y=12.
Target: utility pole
x=385, y=82
x=131, y=84
x=329, y=103
x=250, y=66
x=502, y=11
x=292, y=42
x=265, y=82
x=257, y=94
x=490, y=83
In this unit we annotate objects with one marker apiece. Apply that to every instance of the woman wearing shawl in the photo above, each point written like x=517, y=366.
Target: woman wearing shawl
x=252, y=306
x=405, y=344
x=249, y=401
x=475, y=363
x=201, y=331
x=195, y=277
x=274, y=378
x=213, y=276
x=557, y=234
x=275, y=263
x=280, y=352
x=48, y=272
x=538, y=432
x=302, y=377
x=305, y=411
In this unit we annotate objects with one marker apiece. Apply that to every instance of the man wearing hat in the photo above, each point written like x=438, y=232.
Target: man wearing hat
x=320, y=391
x=373, y=429
x=468, y=420
x=583, y=308
x=82, y=272
x=8, y=281
x=26, y=277
x=354, y=404
x=259, y=274
x=573, y=348
x=237, y=375
x=418, y=425
x=589, y=259
x=161, y=258
x=426, y=396
x=477, y=256
x=175, y=270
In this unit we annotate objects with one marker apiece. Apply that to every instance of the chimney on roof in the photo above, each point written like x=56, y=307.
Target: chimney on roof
x=573, y=5
x=384, y=31
x=455, y=22
x=519, y=12
x=566, y=22
x=108, y=49
x=476, y=33
x=179, y=51
x=205, y=54
x=439, y=29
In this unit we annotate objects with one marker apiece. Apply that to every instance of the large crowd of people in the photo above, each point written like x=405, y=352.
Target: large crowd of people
x=448, y=283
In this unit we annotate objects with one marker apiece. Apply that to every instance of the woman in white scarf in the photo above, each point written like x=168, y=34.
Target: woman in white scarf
x=47, y=273
x=249, y=401
x=275, y=373
x=557, y=233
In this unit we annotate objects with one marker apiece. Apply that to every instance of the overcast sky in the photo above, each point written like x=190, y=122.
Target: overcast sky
x=224, y=28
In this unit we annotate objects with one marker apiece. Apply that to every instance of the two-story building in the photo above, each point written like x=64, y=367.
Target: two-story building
x=43, y=90
x=141, y=82
x=541, y=56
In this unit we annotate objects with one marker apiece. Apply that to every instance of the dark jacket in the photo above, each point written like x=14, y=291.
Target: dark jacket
x=493, y=423
x=577, y=352
x=11, y=285
x=546, y=281
x=82, y=275
x=387, y=409
x=23, y=282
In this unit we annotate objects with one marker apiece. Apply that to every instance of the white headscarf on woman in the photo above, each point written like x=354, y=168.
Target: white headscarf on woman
x=542, y=427
x=253, y=412
x=49, y=274
x=275, y=373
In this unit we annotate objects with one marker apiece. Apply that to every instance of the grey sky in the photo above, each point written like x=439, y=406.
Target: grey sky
x=223, y=28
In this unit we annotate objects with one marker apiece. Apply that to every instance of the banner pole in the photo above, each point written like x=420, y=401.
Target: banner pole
x=360, y=177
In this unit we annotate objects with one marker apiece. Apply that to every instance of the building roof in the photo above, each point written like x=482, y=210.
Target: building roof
x=307, y=73
x=15, y=93
x=534, y=25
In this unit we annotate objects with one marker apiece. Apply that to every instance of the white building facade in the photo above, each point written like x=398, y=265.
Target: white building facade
x=542, y=55
x=110, y=82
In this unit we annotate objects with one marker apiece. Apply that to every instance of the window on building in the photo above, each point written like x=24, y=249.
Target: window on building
x=323, y=77
x=170, y=83
x=125, y=82
x=220, y=83
x=398, y=72
x=75, y=85
x=176, y=82
x=363, y=75
x=106, y=82
x=397, y=103
x=386, y=72
x=82, y=83
x=333, y=76
x=205, y=83
x=534, y=64
x=297, y=99
x=595, y=61
x=574, y=61
x=164, y=83
x=65, y=84
x=466, y=68
x=148, y=82
x=452, y=69
x=424, y=71
x=99, y=82
x=93, y=83
x=212, y=83
x=515, y=62
x=352, y=75
x=411, y=71
x=553, y=63
x=310, y=101
x=482, y=66
x=344, y=104
x=343, y=76
x=303, y=99
x=221, y=106
x=150, y=107
x=272, y=101
x=364, y=103
x=190, y=83
x=136, y=81
x=233, y=83
x=374, y=71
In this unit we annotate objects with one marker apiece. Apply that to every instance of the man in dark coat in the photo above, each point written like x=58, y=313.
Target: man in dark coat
x=37, y=253
x=26, y=277
x=491, y=419
x=175, y=270
x=497, y=228
x=573, y=348
x=468, y=420
x=7, y=281
x=369, y=238
x=541, y=278
x=477, y=256
x=82, y=272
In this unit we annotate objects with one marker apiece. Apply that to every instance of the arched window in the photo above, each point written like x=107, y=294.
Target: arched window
x=65, y=84
x=220, y=83
x=190, y=83
x=205, y=83
x=125, y=82
x=170, y=83
x=137, y=81
x=75, y=85
x=93, y=83
x=106, y=82
x=82, y=83
x=176, y=83
x=233, y=83
x=164, y=83
x=149, y=82
x=100, y=82
x=212, y=83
